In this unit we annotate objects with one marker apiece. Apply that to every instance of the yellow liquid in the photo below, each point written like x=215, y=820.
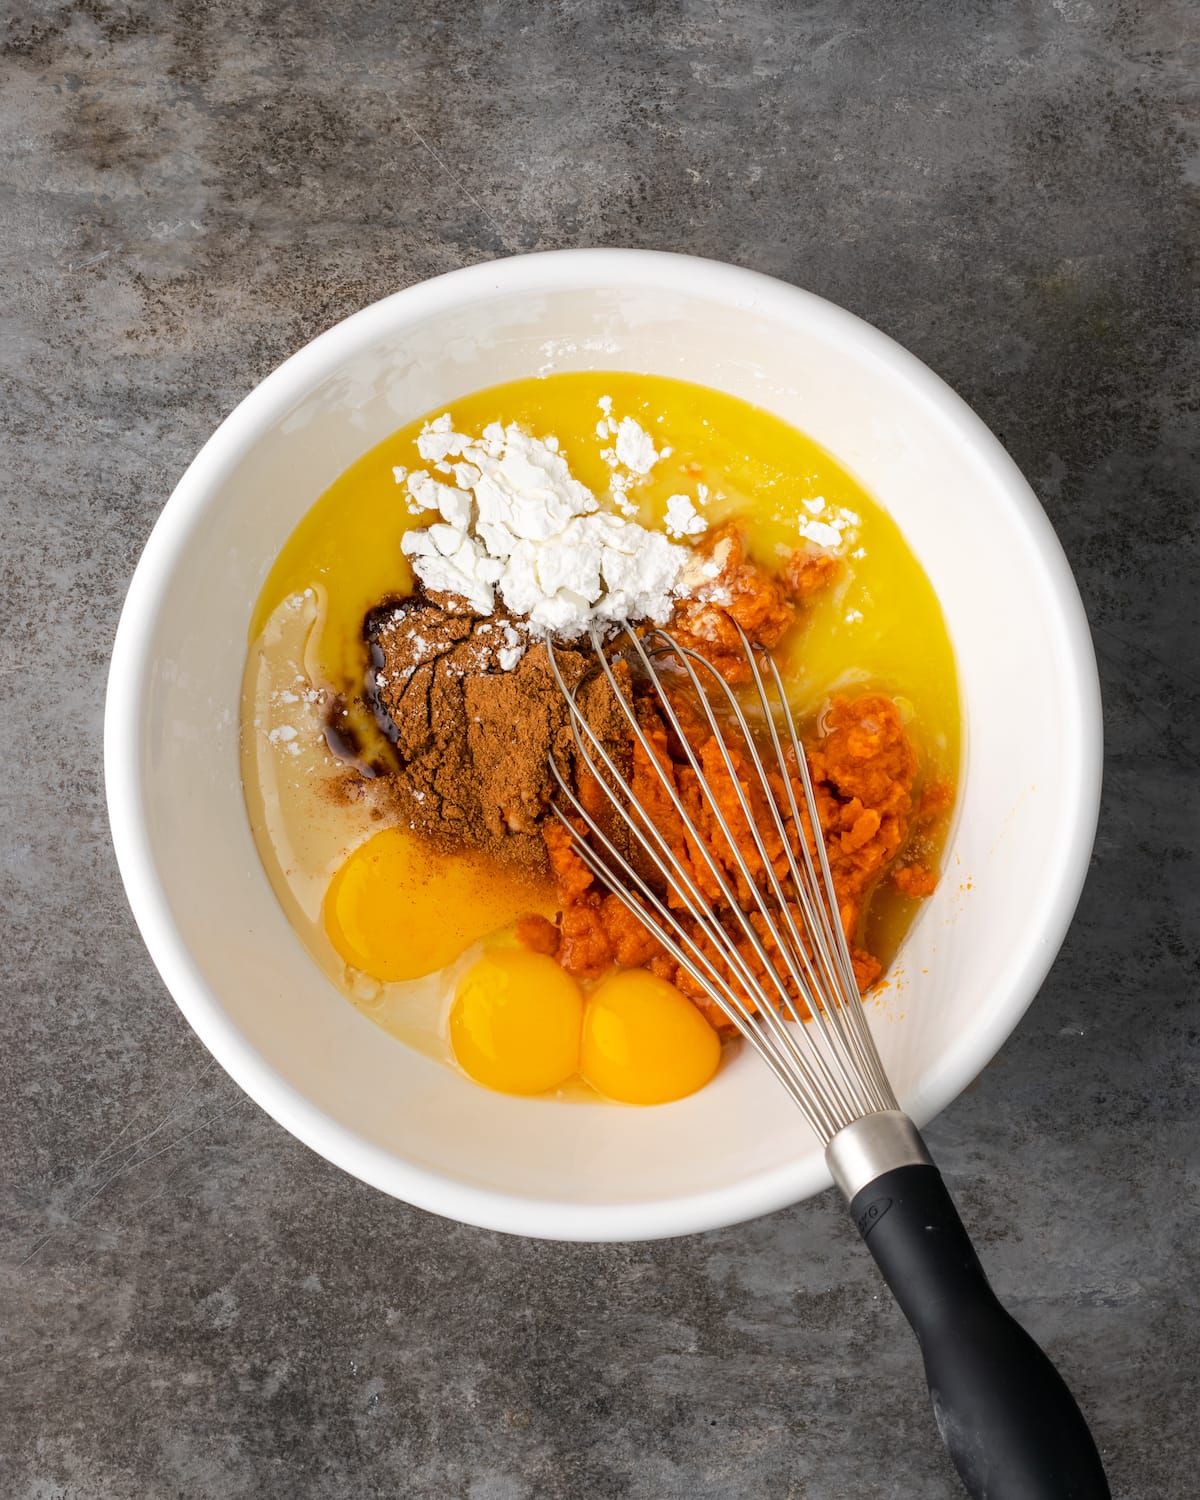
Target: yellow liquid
x=879, y=626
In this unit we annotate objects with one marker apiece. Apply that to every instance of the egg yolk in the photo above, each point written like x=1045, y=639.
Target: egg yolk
x=515, y=1022
x=398, y=909
x=644, y=1042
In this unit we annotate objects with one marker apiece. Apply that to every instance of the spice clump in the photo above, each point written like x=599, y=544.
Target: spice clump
x=475, y=730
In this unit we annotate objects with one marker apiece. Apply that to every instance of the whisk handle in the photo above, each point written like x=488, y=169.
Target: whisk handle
x=1011, y=1425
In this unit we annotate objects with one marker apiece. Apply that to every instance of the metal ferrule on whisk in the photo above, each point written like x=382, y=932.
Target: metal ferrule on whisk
x=865, y=1149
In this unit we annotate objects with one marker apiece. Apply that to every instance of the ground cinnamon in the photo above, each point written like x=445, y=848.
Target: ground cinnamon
x=474, y=739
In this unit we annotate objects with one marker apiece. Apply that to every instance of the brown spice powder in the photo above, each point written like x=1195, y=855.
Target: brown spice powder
x=474, y=740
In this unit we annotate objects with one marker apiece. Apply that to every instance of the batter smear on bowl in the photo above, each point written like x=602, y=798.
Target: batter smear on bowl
x=455, y=910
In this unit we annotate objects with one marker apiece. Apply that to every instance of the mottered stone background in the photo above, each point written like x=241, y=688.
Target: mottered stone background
x=193, y=1304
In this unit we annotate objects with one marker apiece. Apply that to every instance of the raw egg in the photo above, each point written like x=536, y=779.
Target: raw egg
x=644, y=1042
x=398, y=909
x=515, y=1021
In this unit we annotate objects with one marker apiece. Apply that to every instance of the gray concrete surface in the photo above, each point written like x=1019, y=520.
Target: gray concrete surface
x=193, y=1305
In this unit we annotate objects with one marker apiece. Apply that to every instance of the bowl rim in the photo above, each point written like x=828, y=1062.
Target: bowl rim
x=133, y=651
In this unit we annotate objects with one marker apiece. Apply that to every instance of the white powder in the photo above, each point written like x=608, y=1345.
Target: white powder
x=634, y=447
x=513, y=649
x=518, y=523
x=682, y=518
x=631, y=456
x=820, y=533
x=835, y=528
x=284, y=738
x=427, y=493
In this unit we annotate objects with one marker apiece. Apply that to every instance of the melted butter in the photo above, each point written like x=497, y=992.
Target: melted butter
x=880, y=626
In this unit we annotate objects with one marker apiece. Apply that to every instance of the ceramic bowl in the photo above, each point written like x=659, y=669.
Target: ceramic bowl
x=403, y=1122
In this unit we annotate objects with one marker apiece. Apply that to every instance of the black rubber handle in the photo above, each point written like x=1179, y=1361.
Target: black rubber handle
x=1011, y=1425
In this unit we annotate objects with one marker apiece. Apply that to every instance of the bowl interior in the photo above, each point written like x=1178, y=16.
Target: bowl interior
x=417, y=1129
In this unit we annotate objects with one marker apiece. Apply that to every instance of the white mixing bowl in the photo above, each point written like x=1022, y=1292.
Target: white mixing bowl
x=239, y=973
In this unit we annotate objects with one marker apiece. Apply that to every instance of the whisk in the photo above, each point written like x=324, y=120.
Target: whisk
x=771, y=953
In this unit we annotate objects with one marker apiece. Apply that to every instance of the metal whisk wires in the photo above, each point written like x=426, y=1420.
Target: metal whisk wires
x=775, y=960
